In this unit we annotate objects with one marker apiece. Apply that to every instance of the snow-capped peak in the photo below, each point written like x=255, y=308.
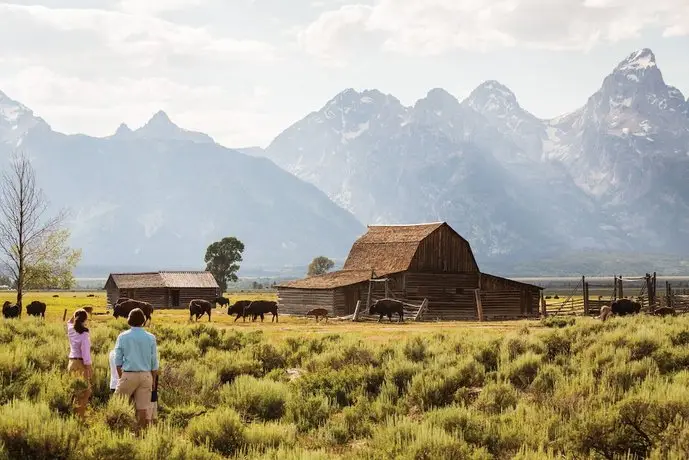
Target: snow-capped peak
x=161, y=127
x=15, y=119
x=638, y=60
x=492, y=97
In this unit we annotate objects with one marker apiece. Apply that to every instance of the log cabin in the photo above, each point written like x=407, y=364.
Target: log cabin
x=164, y=289
x=413, y=263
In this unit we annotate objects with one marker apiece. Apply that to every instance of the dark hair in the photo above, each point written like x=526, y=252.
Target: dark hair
x=136, y=318
x=80, y=317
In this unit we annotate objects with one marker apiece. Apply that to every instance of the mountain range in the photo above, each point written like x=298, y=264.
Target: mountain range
x=608, y=177
x=156, y=197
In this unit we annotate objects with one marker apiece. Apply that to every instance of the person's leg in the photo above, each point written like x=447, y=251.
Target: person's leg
x=81, y=398
x=142, y=398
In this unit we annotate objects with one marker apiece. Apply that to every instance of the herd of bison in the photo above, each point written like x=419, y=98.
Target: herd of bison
x=248, y=308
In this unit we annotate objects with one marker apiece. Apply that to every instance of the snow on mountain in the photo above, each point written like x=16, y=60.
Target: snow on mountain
x=610, y=175
x=15, y=120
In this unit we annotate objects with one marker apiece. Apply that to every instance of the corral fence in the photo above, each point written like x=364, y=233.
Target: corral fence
x=642, y=289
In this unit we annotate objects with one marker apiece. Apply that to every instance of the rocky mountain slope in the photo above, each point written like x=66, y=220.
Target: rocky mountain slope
x=155, y=197
x=609, y=176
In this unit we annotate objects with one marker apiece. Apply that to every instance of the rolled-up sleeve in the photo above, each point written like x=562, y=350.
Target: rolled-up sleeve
x=86, y=348
x=119, y=354
x=154, y=354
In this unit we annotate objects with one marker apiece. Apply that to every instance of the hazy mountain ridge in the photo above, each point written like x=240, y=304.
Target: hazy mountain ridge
x=158, y=195
x=609, y=176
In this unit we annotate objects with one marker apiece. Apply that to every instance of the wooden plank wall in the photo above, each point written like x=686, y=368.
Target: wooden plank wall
x=186, y=295
x=450, y=297
x=300, y=301
x=443, y=251
x=160, y=298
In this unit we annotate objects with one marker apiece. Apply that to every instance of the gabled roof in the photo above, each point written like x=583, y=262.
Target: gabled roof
x=176, y=280
x=388, y=248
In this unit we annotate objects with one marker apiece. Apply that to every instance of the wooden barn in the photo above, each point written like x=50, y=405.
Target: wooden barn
x=162, y=289
x=424, y=261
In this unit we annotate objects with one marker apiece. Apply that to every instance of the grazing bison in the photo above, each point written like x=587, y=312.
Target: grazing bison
x=318, y=312
x=199, y=307
x=222, y=301
x=10, y=311
x=664, y=311
x=122, y=308
x=260, y=308
x=386, y=307
x=36, y=308
x=238, y=308
x=91, y=295
x=624, y=307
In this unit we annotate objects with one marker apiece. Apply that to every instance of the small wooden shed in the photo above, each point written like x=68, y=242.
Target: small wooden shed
x=164, y=289
x=422, y=261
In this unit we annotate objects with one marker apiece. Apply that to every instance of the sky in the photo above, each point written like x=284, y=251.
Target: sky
x=244, y=70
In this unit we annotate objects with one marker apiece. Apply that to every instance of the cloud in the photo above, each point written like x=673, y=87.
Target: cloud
x=74, y=105
x=435, y=26
x=153, y=7
x=123, y=34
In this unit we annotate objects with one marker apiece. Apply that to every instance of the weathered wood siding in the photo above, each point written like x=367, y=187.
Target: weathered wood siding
x=161, y=298
x=503, y=298
x=300, y=301
x=444, y=251
x=450, y=296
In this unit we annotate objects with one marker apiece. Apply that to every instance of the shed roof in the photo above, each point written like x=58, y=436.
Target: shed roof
x=388, y=248
x=329, y=280
x=164, y=279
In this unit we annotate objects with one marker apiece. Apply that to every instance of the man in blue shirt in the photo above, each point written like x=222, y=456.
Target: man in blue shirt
x=136, y=358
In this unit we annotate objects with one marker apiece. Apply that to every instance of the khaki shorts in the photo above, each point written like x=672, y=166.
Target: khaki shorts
x=136, y=384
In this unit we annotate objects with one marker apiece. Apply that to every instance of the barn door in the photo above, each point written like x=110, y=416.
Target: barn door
x=174, y=298
x=351, y=297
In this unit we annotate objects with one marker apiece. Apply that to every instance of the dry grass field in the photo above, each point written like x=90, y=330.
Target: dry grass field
x=559, y=388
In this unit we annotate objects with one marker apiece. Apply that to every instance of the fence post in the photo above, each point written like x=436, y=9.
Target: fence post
x=586, y=298
x=544, y=305
x=355, y=317
x=614, y=289
x=64, y=316
x=421, y=310
x=479, y=306
x=621, y=288
x=669, y=294
x=649, y=289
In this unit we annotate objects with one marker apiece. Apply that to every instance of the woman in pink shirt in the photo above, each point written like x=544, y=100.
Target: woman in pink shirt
x=80, y=357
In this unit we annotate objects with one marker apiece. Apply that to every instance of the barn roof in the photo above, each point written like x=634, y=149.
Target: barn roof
x=175, y=280
x=330, y=280
x=388, y=248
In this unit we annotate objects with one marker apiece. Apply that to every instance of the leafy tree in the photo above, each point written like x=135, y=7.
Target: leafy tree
x=320, y=265
x=54, y=270
x=222, y=260
x=26, y=232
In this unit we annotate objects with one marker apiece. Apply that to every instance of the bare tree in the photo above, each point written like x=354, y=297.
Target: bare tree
x=24, y=226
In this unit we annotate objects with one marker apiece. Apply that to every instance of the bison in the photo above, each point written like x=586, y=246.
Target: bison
x=624, y=307
x=238, y=308
x=10, y=311
x=36, y=308
x=222, y=301
x=664, y=311
x=199, y=307
x=386, y=307
x=260, y=308
x=122, y=308
x=318, y=312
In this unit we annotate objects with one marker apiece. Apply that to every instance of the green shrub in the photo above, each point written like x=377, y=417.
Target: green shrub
x=221, y=430
x=269, y=357
x=256, y=398
x=118, y=415
x=558, y=321
x=438, y=388
x=497, y=397
x=523, y=370
x=264, y=436
x=308, y=412
x=415, y=350
x=32, y=431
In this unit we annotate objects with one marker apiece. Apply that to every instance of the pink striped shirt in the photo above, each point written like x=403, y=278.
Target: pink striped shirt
x=79, y=344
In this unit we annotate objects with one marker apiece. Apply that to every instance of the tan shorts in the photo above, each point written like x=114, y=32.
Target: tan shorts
x=137, y=384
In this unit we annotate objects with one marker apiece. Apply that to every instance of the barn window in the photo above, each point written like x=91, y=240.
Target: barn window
x=459, y=291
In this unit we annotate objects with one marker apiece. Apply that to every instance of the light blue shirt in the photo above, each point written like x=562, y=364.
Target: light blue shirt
x=136, y=351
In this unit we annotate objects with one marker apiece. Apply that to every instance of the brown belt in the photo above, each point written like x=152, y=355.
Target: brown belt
x=78, y=359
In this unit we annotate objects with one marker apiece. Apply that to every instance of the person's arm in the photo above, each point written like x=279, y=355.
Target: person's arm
x=119, y=357
x=154, y=362
x=86, y=354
